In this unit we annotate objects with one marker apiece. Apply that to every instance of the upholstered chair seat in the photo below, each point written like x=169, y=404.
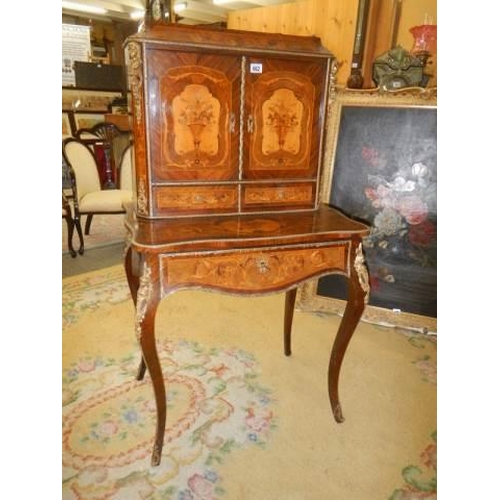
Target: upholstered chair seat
x=109, y=200
x=89, y=197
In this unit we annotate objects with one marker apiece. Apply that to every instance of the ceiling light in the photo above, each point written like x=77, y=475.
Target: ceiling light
x=137, y=14
x=83, y=8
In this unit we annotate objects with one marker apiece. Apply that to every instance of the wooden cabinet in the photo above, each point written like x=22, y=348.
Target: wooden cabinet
x=226, y=121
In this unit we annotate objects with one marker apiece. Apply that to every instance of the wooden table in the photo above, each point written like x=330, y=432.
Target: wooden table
x=242, y=254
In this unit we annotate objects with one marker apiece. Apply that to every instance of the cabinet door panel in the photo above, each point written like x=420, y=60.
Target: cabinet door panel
x=193, y=115
x=283, y=118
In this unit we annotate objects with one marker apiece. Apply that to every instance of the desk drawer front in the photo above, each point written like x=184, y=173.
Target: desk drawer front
x=253, y=271
x=195, y=199
x=300, y=195
x=199, y=199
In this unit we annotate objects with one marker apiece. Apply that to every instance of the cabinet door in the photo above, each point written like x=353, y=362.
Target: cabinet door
x=283, y=113
x=193, y=115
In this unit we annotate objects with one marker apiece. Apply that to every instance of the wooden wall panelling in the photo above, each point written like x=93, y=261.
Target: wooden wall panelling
x=333, y=21
x=335, y=24
x=415, y=13
x=303, y=23
x=372, y=29
x=286, y=18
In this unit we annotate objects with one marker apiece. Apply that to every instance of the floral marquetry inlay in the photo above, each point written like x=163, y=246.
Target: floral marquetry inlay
x=282, y=120
x=196, y=123
x=267, y=270
x=196, y=118
x=282, y=116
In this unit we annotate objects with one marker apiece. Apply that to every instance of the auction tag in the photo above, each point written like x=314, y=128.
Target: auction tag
x=255, y=67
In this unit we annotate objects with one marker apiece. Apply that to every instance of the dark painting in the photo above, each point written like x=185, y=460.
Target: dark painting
x=385, y=174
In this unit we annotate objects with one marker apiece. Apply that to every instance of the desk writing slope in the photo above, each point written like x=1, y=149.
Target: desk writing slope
x=228, y=135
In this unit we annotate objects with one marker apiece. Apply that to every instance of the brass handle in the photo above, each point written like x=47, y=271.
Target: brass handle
x=232, y=123
x=250, y=124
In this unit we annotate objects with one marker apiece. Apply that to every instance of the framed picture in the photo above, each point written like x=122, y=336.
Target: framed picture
x=67, y=131
x=381, y=168
x=87, y=120
x=86, y=100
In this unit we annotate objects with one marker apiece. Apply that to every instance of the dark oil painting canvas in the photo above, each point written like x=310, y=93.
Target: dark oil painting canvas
x=385, y=174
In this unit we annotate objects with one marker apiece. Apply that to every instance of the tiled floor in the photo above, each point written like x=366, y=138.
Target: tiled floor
x=92, y=259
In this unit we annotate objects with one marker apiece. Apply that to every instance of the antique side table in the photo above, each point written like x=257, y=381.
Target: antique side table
x=241, y=254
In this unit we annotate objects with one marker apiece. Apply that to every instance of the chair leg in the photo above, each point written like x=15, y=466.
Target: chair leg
x=289, y=308
x=70, y=225
x=78, y=226
x=88, y=222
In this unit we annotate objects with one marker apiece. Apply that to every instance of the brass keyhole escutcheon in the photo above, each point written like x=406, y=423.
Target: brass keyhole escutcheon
x=263, y=266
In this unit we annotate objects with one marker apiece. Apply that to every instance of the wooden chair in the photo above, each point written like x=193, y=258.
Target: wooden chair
x=88, y=196
x=113, y=142
x=68, y=217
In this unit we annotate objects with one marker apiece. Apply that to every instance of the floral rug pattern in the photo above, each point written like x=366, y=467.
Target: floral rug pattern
x=216, y=404
x=91, y=291
x=420, y=482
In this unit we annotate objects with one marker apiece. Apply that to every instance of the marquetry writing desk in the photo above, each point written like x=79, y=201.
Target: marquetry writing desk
x=241, y=254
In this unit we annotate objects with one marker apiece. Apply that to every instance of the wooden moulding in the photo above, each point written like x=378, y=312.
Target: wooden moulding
x=183, y=37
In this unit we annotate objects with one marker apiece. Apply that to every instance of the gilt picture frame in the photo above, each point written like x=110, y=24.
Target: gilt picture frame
x=381, y=168
x=87, y=119
x=67, y=130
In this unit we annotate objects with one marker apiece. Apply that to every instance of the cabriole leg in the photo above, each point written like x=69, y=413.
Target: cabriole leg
x=148, y=297
x=356, y=302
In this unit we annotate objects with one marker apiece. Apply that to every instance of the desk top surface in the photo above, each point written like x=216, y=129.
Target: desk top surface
x=242, y=231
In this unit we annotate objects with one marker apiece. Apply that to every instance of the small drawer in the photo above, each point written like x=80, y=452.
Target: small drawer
x=195, y=199
x=275, y=196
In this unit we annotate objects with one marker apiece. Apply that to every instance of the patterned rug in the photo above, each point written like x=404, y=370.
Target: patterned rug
x=104, y=230
x=244, y=421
